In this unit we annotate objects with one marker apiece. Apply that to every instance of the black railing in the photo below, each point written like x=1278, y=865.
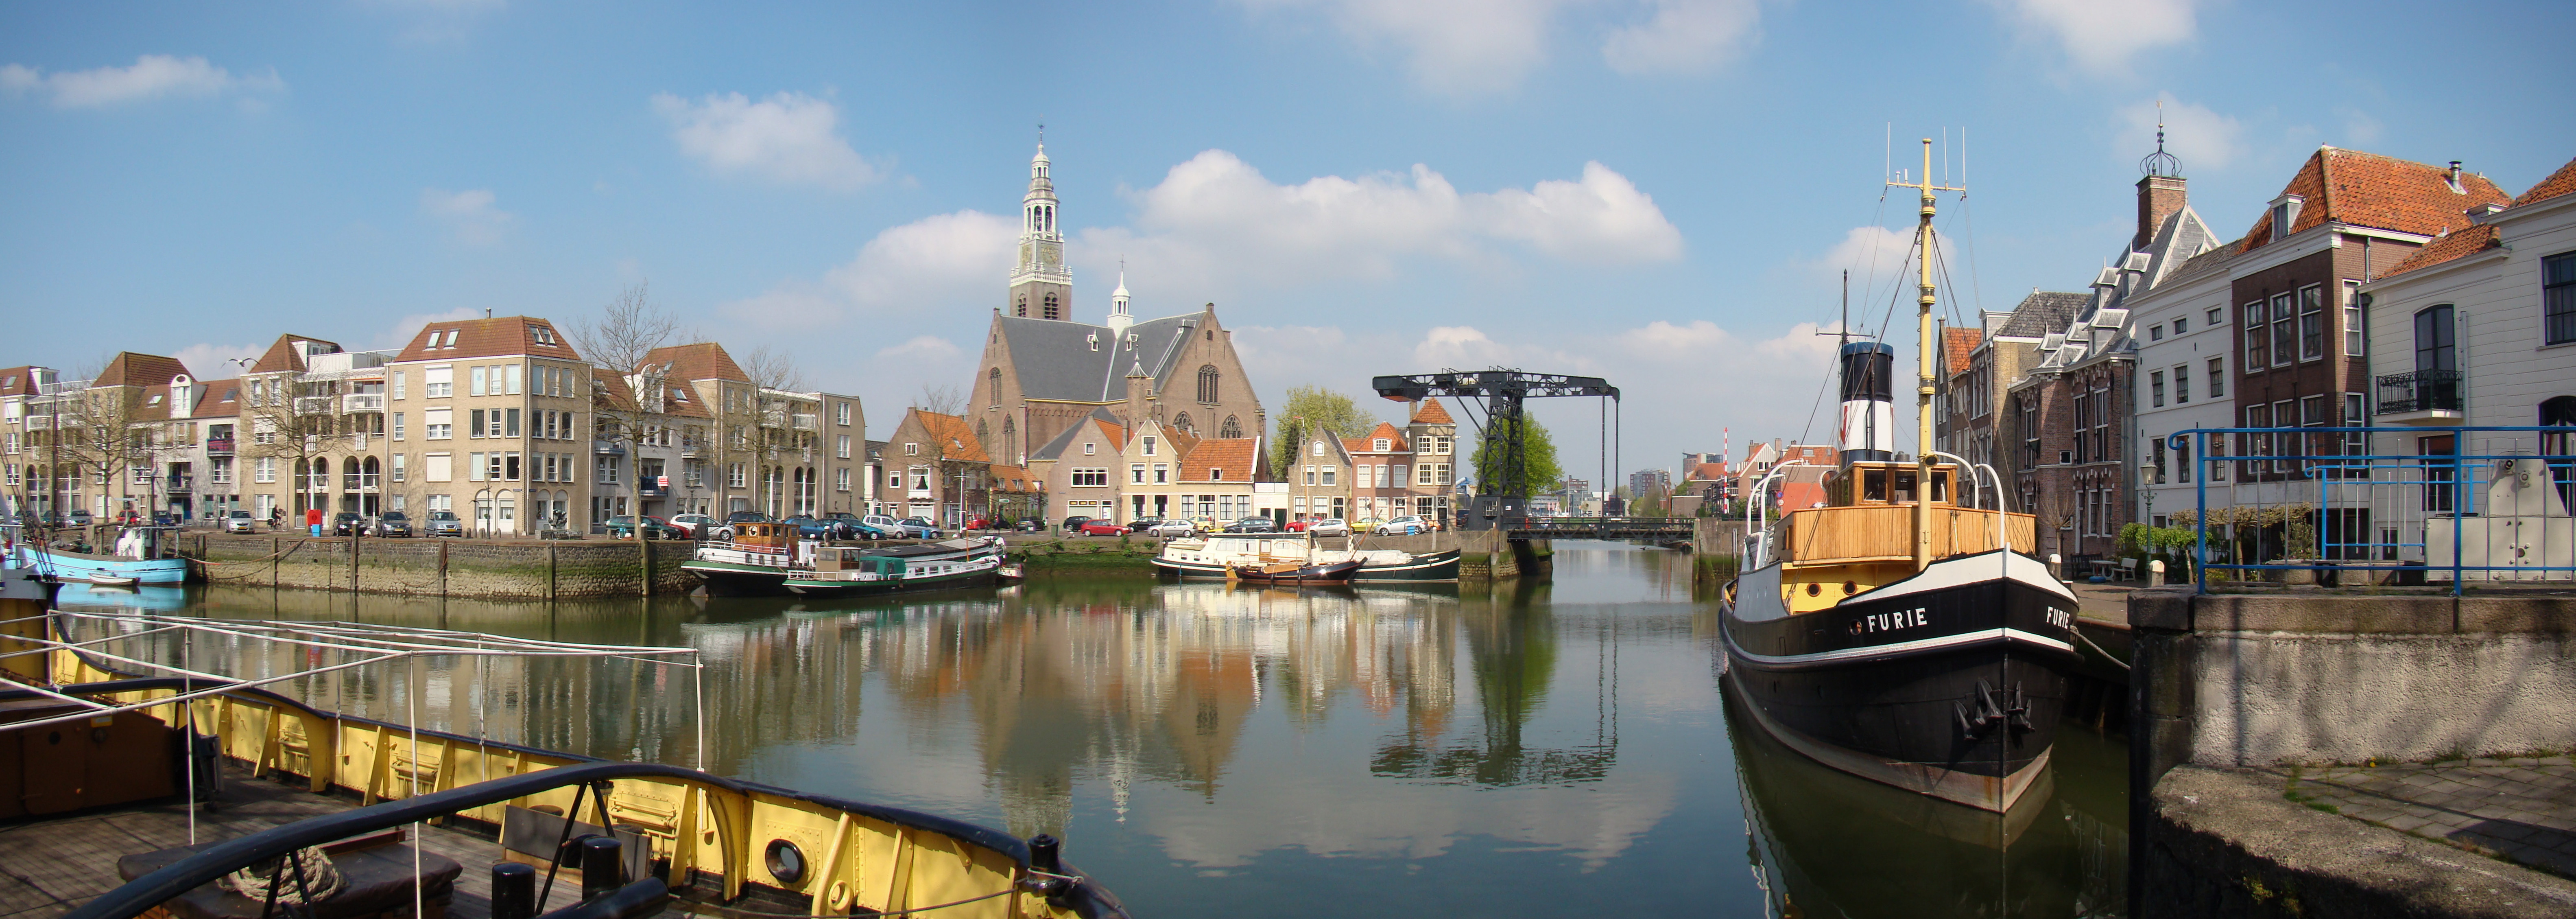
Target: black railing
x=2420, y=391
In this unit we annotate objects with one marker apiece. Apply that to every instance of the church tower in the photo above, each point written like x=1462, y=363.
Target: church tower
x=1042, y=286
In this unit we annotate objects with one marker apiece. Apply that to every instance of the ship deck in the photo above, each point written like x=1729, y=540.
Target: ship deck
x=50, y=867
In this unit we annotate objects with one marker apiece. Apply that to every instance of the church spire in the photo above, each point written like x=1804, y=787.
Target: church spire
x=1041, y=284
x=1119, y=318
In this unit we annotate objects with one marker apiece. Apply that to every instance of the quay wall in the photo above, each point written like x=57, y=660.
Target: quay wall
x=2224, y=683
x=487, y=569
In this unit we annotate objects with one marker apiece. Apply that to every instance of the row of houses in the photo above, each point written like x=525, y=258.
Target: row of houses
x=2355, y=298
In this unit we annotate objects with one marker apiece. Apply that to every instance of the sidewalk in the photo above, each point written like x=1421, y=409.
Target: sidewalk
x=2522, y=809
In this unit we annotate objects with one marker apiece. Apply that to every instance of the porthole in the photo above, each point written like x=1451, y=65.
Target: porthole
x=786, y=862
x=1815, y=589
x=1850, y=588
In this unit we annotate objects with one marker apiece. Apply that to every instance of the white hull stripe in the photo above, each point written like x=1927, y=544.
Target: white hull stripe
x=1902, y=647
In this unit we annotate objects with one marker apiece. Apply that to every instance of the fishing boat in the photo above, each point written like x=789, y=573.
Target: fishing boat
x=1895, y=631
x=1294, y=572
x=1209, y=556
x=312, y=812
x=762, y=558
x=849, y=571
x=138, y=559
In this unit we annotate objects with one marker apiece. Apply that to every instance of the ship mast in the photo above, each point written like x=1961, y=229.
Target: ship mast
x=1924, y=362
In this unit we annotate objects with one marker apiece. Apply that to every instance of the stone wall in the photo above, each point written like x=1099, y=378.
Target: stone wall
x=499, y=569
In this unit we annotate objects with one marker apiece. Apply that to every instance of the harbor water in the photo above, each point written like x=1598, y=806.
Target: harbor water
x=1562, y=748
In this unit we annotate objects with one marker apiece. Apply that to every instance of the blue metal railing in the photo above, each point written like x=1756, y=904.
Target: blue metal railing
x=2335, y=483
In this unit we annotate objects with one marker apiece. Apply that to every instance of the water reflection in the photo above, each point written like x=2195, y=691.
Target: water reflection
x=1216, y=749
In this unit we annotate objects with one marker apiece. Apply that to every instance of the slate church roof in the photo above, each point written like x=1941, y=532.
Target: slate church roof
x=1057, y=360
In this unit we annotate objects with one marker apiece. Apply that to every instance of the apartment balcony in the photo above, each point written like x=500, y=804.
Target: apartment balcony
x=219, y=446
x=40, y=422
x=607, y=448
x=651, y=490
x=354, y=403
x=802, y=422
x=313, y=405
x=2428, y=397
x=692, y=449
x=179, y=483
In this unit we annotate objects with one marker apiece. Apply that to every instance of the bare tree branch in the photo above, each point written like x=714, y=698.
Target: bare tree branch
x=945, y=400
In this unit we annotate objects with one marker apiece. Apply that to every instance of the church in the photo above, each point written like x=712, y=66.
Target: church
x=1044, y=370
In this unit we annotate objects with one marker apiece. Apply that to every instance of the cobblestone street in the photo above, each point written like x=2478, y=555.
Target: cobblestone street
x=2521, y=808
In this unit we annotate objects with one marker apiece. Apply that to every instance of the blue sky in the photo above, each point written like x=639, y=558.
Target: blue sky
x=1656, y=191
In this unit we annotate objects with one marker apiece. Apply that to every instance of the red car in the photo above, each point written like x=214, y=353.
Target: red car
x=1103, y=528
x=1299, y=526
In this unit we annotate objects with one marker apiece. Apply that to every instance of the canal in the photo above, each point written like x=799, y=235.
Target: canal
x=1543, y=749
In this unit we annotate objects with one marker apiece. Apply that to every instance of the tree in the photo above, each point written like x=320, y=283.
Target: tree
x=773, y=431
x=627, y=331
x=1313, y=409
x=96, y=434
x=1538, y=455
x=290, y=436
x=945, y=400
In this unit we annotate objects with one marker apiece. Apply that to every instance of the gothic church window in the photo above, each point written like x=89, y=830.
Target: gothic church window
x=1231, y=428
x=1183, y=422
x=1207, y=383
x=1053, y=310
x=1022, y=310
x=996, y=378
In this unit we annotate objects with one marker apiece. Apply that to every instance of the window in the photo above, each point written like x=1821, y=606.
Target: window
x=437, y=467
x=2285, y=331
x=474, y=466
x=2285, y=214
x=2217, y=377
x=993, y=382
x=1442, y=472
x=399, y=465
x=1319, y=448
x=841, y=479
x=2558, y=298
x=516, y=374
x=265, y=471
x=1381, y=444
x=543, y=335
x=2181, y=325
x=1136, y=473
x=843, y=448
x=511, y=428
x=2182, y=384
x=841, y=414
x=438, y=382
x=1207, y=384
x=2156, y=384
x=1310, y=475
x=2354, y=335
x=1328, y=474
x=1422, y=474
x=2257, y=338
x=1399, y=477
x=477, y=374
x=2182, y=462
x=1162, y=474
x=1090, y=449
x=1231, y=429
x=912, y=449
x=2312, y=322
x=1091, y=478
x=2156, y=333
x=736, y=476
x=1054, y=309
x=398, y=384
x=1216, y=474
x=1149, y=446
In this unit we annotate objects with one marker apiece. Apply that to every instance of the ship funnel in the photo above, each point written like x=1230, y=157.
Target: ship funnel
x=1869, y=412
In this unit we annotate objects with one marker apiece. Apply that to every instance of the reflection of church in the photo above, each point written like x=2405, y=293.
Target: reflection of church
x=1043, y=370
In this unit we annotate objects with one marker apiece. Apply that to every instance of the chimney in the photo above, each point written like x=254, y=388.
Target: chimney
x=1139, y=388
x=2159, y=196
x=2454, y=179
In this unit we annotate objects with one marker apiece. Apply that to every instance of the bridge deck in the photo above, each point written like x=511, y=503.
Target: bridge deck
x=1663, y=528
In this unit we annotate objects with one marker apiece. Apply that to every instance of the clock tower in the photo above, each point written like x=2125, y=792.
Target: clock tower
x=1041, y=285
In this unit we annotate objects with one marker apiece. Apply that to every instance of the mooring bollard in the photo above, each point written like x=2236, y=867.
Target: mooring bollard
x=603, y=862
x=2156, y=573
x=514, y=891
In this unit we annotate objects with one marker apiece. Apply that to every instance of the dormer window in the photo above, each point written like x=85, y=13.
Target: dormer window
x=543, y=335
x=1216, y=474
x=1381, y=445
x=2285, y=214
x=1093, y=340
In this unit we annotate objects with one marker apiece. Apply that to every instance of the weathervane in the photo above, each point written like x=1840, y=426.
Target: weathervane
x=2160, y=163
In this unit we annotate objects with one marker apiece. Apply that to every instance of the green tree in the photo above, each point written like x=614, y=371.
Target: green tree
x=1313, y=409
x=1538, y=456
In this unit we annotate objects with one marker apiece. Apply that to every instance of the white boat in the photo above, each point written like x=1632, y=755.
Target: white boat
x=1209, y=556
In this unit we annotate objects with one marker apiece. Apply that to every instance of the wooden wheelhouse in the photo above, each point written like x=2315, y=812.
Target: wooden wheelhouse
x=1881, y=525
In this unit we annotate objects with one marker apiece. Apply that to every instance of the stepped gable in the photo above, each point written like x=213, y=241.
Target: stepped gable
x=703, y=360
x=131, y=369
x=2379, y=192
x=1234, y=458
x=1055, y=359
x=2453, y=247
x=1429, y=411
x=2559, y=183
x=2043, y=312
x=499, y=336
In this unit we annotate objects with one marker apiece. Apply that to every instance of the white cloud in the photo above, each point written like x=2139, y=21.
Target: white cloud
x=2102, y=39
x=789, y=138
x=469, y=214
x=1869, y=253
x=1455, y=47
x=1685, y=36
x=2203, y=140
x=1215, y=220
x=152, y=76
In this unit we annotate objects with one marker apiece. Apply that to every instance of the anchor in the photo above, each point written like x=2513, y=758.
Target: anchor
x=2012, y=709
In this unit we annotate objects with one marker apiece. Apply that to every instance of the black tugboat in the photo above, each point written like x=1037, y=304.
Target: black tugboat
x=1893, y=631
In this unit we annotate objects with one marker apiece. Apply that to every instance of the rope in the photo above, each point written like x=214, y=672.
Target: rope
x=2097, y=649
x=315, y=878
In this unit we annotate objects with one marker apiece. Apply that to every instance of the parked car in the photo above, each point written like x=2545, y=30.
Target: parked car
x=1404, y=526
x=1330, y=526
x=1072, y=524
x=1172, y=529
x=1367, y=525
x=1207, y=524
x=80, y=518
x=348, y=523
x=810, y=527
x=1101, y=528
x=1253, y=525
x=444, y=523
x=239, y=522
x=690, y=523
x=393, y=523
x=1141, y=524
x=919, y=527
x=881, y=526
x=654, y=528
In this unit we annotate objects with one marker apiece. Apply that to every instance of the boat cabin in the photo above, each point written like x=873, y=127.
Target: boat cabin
x=1866, y=534
x=858, y=560
x=774, y=538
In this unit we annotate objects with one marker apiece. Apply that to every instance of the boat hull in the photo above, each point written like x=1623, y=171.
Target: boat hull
x=1339, y=573
x=1949, y=683
x=76, y=566
x=985, y=576
x=1433, y=567
x=725, y=579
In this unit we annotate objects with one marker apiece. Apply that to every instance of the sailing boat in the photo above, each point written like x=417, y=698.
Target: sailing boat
x=1895, y=632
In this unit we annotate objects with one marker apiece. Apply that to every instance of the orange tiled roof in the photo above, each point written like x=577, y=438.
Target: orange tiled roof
x=704, y=360
x=131, y=369
x=2369, y=190
x=496, y=337
x=2455, y=246
x=13, y=381
x=2561, y=182
x=1015, y=478
x=1706, y=472
x=1957, y=345
x=1430, y=412
x=607, y=385
x=951, y=435
x=281, y=356
x=1232, y=456
x=218, y=399
x=1395, y=440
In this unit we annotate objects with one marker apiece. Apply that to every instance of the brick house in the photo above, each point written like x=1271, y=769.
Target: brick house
x=1077, y=471
x=945, y=474
x=1381, y=473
